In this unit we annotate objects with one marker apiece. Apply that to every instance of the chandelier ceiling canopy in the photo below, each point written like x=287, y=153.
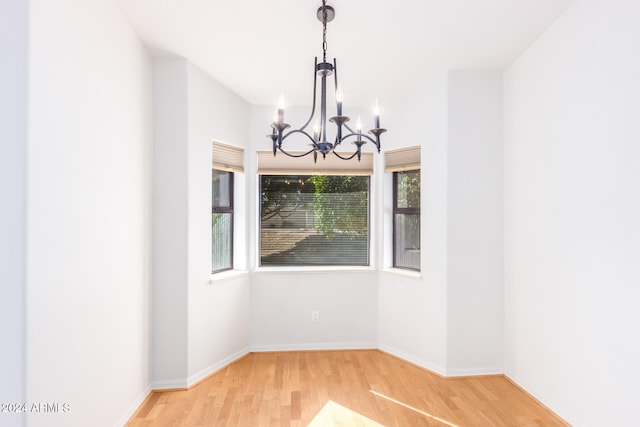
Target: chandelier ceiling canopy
x=319, y=143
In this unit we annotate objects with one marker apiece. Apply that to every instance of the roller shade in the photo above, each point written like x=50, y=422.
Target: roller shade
x=227, y=157
x=331, y=165
x=402, y=159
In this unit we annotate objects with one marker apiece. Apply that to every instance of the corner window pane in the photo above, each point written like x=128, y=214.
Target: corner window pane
x=222, y=188
x=222, y=226
x=407, y=241
x=314, y=220
x=408, y=189
x=406, y=219
x=222, y=221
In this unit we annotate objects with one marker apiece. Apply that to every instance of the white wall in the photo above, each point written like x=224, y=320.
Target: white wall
x=281, y=305
x=572, y=235
x=169, y=359
x=412, y=310
x=475, y=293
x=88, y=213
x=198, y=326
x=449, y=318
x=218, y=312
x=13, y=138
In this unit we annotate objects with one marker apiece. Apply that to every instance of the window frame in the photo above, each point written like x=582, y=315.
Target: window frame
x=401, y=211
x=313, y=266
x=226, y=209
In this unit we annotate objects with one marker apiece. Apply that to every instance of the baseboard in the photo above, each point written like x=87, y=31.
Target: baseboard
x=181, y=384
x=475, y=372
x=314, y=347
x=439, y=370
x=420, y=363
x=197, y=378
x=551, y=411
x=184, y=384
x=133, y=408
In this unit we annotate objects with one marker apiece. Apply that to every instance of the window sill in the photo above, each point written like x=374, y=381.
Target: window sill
x=318, y=269
x=403, y=272
x=227, y=275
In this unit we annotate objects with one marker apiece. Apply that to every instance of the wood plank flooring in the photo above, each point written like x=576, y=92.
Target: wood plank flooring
x=341, y=388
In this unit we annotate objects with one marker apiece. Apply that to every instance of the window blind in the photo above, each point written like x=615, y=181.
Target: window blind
x=227, y=157
x=402, y=159
x=331, y=165
x=314, y=220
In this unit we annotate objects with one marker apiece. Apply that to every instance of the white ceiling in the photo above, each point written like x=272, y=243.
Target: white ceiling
x=260, y=49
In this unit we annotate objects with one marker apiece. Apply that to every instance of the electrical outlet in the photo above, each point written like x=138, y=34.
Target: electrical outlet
x=315, y=316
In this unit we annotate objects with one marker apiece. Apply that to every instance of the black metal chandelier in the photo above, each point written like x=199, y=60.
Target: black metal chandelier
x=319, y=142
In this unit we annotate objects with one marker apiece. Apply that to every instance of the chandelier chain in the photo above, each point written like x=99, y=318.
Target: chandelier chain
x=324, y=30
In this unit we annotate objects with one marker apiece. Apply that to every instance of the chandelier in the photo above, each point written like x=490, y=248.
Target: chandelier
x=319, y=141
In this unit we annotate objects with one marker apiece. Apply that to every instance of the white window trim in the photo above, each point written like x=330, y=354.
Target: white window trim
x=226, y=275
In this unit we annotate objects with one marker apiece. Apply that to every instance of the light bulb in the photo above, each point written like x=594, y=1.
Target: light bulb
x=280, y=110
x=376, y=115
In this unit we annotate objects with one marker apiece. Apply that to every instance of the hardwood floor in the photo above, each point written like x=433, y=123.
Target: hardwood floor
x=341, y=388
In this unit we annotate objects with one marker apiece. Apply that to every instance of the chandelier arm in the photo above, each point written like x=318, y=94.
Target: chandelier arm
x=297, y=155
x=362, y=135
x=313, y=105
x=346, y=158
x=335, y=77
x=323, y=108
x=302, y=132
x=338, y=104
x=349, y=129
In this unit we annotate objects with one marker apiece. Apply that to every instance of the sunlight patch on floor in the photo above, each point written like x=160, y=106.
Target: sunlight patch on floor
x=404, y=405
x=333, y=414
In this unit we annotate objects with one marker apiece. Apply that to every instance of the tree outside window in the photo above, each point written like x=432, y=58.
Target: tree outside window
x=406, y=219
x=222, y=221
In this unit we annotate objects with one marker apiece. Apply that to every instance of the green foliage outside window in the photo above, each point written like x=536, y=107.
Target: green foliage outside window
x=408, y=189
x=406, y=220
x=341, y=204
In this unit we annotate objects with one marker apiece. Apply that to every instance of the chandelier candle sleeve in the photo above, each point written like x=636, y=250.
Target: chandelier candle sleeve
x=376, y=115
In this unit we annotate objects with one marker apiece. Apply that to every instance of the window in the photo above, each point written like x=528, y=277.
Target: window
x=406, y=219
x=314, y=220
x=225, y=161
x=405, y=216
x=222, y=221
